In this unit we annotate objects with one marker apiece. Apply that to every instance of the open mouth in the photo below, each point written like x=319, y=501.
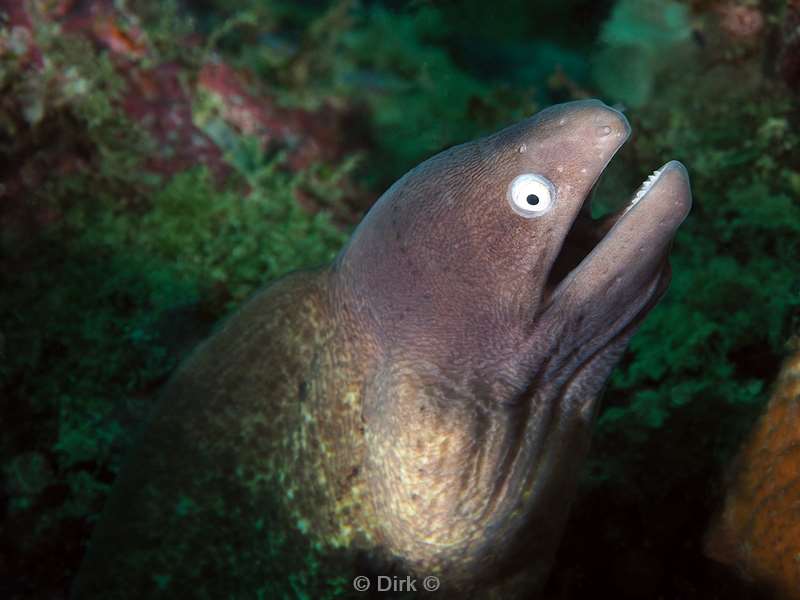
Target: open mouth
x=587, y=233
x=646, y=186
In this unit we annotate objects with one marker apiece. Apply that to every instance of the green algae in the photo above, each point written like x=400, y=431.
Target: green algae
x=392, y=65
x=714, y=343
x=101, y=301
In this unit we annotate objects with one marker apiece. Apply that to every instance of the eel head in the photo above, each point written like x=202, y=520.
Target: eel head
x=497, y=308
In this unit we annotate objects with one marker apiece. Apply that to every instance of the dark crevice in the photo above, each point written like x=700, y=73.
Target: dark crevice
x=582, y=237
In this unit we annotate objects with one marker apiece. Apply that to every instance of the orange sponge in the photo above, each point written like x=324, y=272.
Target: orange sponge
x=758, y=530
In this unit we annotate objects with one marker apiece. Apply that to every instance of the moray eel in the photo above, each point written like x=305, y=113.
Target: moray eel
x=419, y=408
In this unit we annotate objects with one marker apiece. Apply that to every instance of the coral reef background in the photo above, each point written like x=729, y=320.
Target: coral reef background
x=159, y=161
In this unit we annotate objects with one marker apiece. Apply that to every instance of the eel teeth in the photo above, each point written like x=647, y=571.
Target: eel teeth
x=645, y=187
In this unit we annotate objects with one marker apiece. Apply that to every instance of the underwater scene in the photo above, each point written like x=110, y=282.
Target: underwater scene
x=400, y=298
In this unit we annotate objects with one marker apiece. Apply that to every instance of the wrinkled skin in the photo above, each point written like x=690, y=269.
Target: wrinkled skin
x=421, y=407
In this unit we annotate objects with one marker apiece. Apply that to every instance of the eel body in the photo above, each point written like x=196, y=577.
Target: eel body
x=758, y=528
x=418, y=409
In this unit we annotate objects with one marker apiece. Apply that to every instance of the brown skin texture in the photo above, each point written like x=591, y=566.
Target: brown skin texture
x=421, y=407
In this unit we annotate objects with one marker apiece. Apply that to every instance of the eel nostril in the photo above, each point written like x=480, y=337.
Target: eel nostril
x=603, y=130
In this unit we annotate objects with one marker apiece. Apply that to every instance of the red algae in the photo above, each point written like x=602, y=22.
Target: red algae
x=758, y=529
x=159, y=98
x=740, y=21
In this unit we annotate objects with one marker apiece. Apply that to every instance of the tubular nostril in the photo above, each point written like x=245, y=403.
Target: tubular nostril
x=607, y=121
x=615, y=119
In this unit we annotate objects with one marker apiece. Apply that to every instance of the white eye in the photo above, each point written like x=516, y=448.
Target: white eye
x=531, y=195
